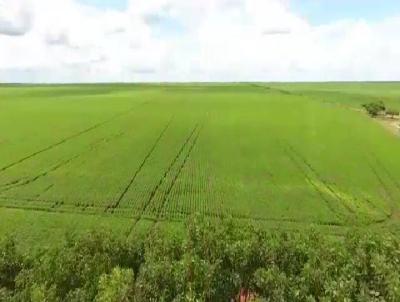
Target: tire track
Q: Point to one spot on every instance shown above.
(321, 179)
(43, 174)
(168, 192)
(66, 139)
(167, 171)
(373, 206)
(132, 180)
(26, 199)
(329, 187)
(315, 187)
(57, 209)
(44, 191)
(105, 140)
(387, 172)
(161, 181)
(26, 180)
(13, 182)
(392, 202)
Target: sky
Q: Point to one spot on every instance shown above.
(65, 41)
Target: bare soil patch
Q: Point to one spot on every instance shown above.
(391, 124)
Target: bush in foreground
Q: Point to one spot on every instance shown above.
(214, 261)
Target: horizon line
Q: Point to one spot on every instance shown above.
(192, 82)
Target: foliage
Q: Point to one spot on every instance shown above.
(117, 286)
(374, 108)
(11, 264)
(73, 272)
(214, 261)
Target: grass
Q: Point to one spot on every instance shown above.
(121, 155)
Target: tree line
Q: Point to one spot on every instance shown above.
(213, 261)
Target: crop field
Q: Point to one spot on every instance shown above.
(273, 153)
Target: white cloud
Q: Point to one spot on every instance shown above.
(15, 17)
(181, 40)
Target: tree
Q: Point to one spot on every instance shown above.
(374, 108)
(118, 286)
(215, 260)
(271, 284)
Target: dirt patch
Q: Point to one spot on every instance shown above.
(391, 124)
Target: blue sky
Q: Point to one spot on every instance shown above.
(316, 11)
(323, 11)
(117, 4)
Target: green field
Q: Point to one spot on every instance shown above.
(132, 155)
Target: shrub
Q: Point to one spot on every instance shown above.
(374, 108)
(116, 286)
(214, 261)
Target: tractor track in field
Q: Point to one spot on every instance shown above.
(52, 206)
(163, 178)
(44, 191)
(13, 182)
(105, 140)
(139, 169)
(385, 188)
(387, 172)
(168, 170)
(26, 199)
(55, 208)
(320, 178)
(376, 208)
(395, 213)
(56, 204)
(26, 180)
(309, 180)
(211, 215)
(167, 193)
(43, 174)
(33, 204)
(67, 139)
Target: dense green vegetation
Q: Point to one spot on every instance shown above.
(256, 164)
(213, 261)
(278, 153)
(374, 108)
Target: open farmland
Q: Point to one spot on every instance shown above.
(142, 154)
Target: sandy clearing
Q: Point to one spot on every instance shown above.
(391, 124)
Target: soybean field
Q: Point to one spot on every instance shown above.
(146, 153)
